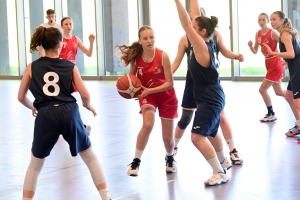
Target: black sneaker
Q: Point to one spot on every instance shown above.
(134, 167)
(171, 164)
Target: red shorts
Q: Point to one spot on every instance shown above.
(274, 69)
(165, 101)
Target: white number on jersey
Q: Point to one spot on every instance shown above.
(51, 83)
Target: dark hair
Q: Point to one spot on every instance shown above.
(129, 53)
(63, 19)
(287, 25)
(48, 38)
(50, 11)
(207, 23)
(265, 14)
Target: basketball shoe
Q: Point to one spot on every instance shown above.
(171, 164)
(298, 140)
(235, 157)
(217, 178)
(134, 167)
(175, 150)
(292, 132)
(269, 118)
(226, 164)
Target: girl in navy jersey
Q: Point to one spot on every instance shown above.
(70, 46)
(49, 80)
(152, 66)
(188, 102)
(273, 64)
(208, 93)
(290, 52)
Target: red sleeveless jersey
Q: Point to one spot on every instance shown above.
(151, 73)
(69, 49)
(266, 39)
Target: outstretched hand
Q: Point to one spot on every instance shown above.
(92, 38)
(240, 57)
(90, 108)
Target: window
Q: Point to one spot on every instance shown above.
(248, 26)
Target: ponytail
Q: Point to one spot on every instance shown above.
(48, 38)
(129, 53)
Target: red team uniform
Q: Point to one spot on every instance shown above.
(273, 63)
(69, 51)
(152, 75)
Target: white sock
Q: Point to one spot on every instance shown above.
(104, 194)
(93, 164)
(221, 156)
(170, 154)
(138, 154)
(298, 123)
(215, 165)
(32, 174)
(230, 144)
(26, 198)
(176, 142)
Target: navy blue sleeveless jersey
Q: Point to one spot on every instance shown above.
(294, 67)
(208, 93)
(51, 81)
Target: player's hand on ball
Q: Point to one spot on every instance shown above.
(34, 112)
(145, 92)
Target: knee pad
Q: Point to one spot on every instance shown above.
(185, 119)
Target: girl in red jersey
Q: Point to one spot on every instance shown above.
(273, 64)
(70, 45)
(152, 66)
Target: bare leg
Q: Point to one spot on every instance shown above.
(167, 133)
(265, 85)
(289, 97)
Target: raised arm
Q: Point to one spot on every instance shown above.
(255, 48)
(182, 46)
(226, 52)
(86, 51)
(199, 46)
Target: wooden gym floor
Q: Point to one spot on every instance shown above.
(271, 167)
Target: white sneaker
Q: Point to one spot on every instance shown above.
(269, 118)
(171, 164)
(226, 164)
(235, 157)
(217, 179)
(88, 129)
(134, 167)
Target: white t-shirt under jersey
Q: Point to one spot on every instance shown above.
(56, 25)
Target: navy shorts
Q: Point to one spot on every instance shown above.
(188, 97)
(52, 121)
(295, 88)
(210, 102)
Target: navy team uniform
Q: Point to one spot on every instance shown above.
(58, 111)
(208, 93)
(294, 68)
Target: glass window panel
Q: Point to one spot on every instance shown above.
(248, 26)
(12, 38)
(47, 4)
(294, 13)
(168, 30)
(88, 24)
(220, 9)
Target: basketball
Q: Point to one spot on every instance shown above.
(129, 86)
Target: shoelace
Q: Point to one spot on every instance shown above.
(135, 163)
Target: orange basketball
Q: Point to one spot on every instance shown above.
(129, 86)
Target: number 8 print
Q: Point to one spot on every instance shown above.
(51, 83)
